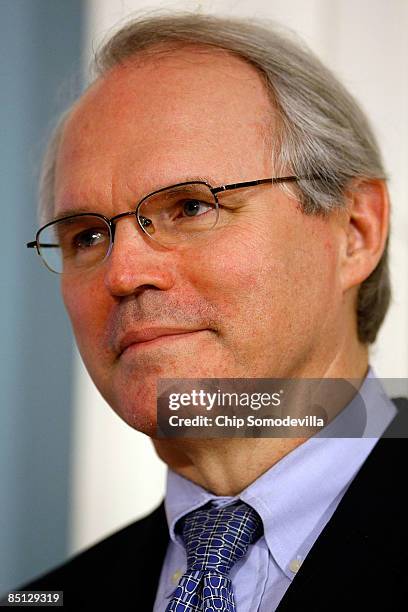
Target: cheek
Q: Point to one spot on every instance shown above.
(312, 291)
(227, 272)
(87, 311)
(251, 275)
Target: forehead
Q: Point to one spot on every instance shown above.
(163, 118)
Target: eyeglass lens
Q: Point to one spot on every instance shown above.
(179, 213)
(73, 244)
(169, 216)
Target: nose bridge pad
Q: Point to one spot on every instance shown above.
(143, 224)
(113, 230)
(146, 224)
(114, 221)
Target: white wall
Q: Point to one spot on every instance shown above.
(116, 476)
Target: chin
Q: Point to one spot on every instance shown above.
(137, 407)
(140, 421)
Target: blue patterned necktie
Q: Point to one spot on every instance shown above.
(215, 538)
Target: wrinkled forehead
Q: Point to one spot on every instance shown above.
(185, 112)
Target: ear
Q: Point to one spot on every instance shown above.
(365, 230)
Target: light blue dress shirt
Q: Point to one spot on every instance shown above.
(295, 499)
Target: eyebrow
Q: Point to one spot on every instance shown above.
(78, 210)
(73, 211)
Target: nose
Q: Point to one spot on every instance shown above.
(136, 261)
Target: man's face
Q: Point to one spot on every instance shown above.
(258, 297)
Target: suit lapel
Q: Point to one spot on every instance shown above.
(151, 545)
(360, 549)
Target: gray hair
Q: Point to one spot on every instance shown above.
(321, 130)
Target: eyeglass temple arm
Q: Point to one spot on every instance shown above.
(279, 179)
(33, 245)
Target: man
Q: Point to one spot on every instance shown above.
(283, 278)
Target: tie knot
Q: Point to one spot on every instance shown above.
(215, 538)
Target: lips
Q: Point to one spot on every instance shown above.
(152, 333)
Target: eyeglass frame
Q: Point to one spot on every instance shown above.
(112, 226)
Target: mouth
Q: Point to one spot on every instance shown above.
(149, 338)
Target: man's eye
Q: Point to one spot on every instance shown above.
(193, 208)
(89, 238)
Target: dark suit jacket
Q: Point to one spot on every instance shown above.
(358, 562)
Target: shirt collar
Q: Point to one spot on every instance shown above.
(297, 495)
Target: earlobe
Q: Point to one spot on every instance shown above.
(366, 231)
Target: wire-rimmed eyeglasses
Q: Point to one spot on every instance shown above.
(169, 216)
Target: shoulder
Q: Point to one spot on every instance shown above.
(374, 497)
(398, 427)
(360, 557)
(104, 571)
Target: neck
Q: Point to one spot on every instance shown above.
(226, 466)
